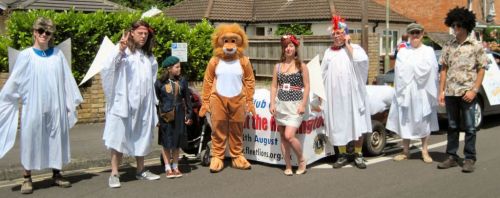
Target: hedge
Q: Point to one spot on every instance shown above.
(87, 30)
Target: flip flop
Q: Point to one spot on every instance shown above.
(400, 157)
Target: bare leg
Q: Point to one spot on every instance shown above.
(425, 152)
(167, 156)
(285, 148)
(140, 163)
(406, 147)
(116, 158)
(296, 146)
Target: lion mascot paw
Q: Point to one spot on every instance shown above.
(241, 162)
(216, 165)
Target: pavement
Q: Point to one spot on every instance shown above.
(87, 150)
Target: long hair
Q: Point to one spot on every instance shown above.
(165, 75)
(462, 16)
(147, 48)
(47, 25)
(284, 44)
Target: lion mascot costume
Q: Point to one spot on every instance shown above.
(228, 88)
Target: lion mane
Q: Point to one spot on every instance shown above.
(218, 44)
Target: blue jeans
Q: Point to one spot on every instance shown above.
(461, 113)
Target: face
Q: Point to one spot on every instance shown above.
(458, 30)
(175, 70)
(290, 50)
(338, 37)
(42, 36)
(416, 37)
(230, 43)
(140, 35)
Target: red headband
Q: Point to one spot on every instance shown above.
(290, 37)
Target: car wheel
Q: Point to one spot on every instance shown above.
(478, 115)
(374, 142)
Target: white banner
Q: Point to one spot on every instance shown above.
(491, 81)
(262, 142)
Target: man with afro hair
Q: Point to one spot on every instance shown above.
(463, 61)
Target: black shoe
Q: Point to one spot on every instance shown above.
(341, 161)
(359, 161)
(448, 163)
(468, 166)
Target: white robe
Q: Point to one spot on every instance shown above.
(413, 111)
(128, 83)
(347, 112)
(49, 96)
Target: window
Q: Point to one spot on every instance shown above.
(393, 39)
(260, 31)
(355, 31)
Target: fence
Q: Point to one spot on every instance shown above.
(265, 52)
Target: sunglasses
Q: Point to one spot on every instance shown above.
(42, 31)
(456, 25)
(415, 32)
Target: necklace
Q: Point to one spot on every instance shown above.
(286, 67)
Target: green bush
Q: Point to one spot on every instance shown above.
(87, 30)
(295, 28)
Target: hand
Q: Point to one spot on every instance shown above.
(469, 96)
(300, 110)
(272, 109)
(123, 41)
(441, 99)
(347, 39)
(188, 122)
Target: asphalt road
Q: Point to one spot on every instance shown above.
(382, 178)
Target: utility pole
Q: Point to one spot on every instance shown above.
(364, 24)
(386, 35)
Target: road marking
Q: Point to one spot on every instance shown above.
(94, 170)
(386, 158)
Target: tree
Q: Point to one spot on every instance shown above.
(146, 4)
(294, 28)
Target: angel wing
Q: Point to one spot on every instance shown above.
(96, 66)
(316, 78)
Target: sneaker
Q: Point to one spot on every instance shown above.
(170, 174)
(177, 173)
(359, 161)
(448, 163)
(27, 186)
(114, 181)
(60, 181)
(468, 166)
(341, 161)
(146, 175)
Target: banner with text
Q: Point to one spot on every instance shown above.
(262, 142)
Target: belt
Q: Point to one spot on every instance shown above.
(288, 87)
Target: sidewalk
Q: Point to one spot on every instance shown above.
(87, 150)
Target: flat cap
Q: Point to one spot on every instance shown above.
(414, 26)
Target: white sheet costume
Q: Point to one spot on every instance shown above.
(49, 95)
(413, 111)
(128, 83)
(347, 111)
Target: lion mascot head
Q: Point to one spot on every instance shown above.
(229, 41)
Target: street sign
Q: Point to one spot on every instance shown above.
(180, 51)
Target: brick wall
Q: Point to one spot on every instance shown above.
(431, 13)
(92, 108)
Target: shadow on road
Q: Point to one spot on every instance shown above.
(47, 183)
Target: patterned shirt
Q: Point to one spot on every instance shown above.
(463, 61)
(291, 80)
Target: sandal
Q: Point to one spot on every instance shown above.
(177, 173)
(400, 157)
(427, 159)
(288, 172)
(170, 174)
(303, 170)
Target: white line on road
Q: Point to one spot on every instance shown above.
(386, 158)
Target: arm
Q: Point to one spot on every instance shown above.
(208, 82)
(274, 90)
(442, 83)
(481, 62)
(249, 84)
(307, 88)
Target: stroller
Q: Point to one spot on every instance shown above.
(198, 134)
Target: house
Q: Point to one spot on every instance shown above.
(431, 14)
(263, 17)
(58, 5)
